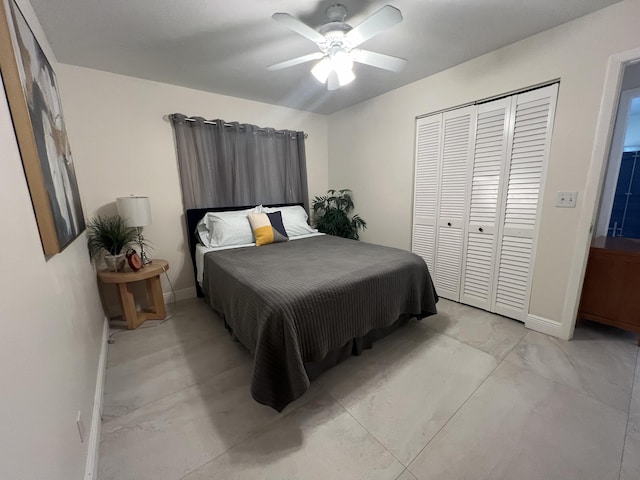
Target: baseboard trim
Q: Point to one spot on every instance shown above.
(544, 325)
(96, 417)
(183, 294)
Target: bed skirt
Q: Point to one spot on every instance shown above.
(353, 347)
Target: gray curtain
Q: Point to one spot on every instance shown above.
(224, 164)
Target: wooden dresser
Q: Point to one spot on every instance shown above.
(611, 290)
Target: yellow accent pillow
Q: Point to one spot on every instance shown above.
(267, 228)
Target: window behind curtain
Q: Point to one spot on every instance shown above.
(224, 164)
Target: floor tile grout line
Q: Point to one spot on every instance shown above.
(555, 381)
(465, 402)
(626, 430)
(199, 337)
(402, 473)
(452, 415)
(200, 382)
(527, 368)
(570, 387)
(249, 436)
(565, 385)
(475, 347)
(364, 427)
(367, 430)
(218, 456)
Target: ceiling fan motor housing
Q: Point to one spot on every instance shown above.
(335, 30)
(337, 12)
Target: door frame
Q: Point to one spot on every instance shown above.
(595, 183)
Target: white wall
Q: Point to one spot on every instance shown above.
(51, 329)
(372, 143)
(116, 122)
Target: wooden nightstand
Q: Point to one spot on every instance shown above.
(151, 274)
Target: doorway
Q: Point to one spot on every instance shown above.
(619, 213)
(618, 65)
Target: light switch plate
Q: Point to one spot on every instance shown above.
(566, 199)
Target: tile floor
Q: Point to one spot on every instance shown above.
(461, 395)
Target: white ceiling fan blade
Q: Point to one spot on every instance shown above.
(296, 61)
(384, 18)
(379, 60)
(299, 27)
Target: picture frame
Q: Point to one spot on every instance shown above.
(36, 111)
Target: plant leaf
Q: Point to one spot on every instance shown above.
(331, 214)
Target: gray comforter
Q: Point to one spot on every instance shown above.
(294, 302)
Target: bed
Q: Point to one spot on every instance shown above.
(303, 306)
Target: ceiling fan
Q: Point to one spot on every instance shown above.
(338, 42)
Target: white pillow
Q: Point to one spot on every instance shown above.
(294, 219)
(202, 232)
(220, 229)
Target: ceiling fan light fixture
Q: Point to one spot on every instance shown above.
(339, 63)
(342, 64)
(345, 76)
(322, 69)
(341, 60)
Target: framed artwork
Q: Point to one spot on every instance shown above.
(36, 111)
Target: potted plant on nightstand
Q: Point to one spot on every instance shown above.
(331, 215)
(109, 236)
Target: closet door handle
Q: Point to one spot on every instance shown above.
(481, 229)
(448, 224)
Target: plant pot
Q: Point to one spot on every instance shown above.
(115, 263)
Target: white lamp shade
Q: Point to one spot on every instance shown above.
(136, 211)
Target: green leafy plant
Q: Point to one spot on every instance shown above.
(331, 215)
(109, 235)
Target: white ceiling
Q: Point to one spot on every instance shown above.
(224, 46)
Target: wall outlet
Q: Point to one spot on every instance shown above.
(80, 425)
(566, 199)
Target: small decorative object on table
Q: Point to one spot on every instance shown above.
(110, 236)
(133, 260)
(331, 215)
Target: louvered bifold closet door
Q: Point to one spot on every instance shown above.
(527, 159)
(428, 151)
(485, 196)
(458, 128)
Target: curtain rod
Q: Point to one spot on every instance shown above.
(211, 122)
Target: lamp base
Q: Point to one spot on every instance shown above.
(143, 255)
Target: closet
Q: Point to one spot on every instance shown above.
(478, 182)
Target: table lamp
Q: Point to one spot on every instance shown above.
(136, 212)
